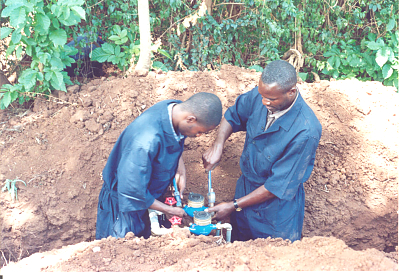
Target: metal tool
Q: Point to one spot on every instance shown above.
(211, 194)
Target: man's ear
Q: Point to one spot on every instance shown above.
(191, 119)
(292, 91)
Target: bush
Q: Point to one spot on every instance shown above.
(39, 30)
(339, 39)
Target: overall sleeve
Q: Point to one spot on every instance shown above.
(238, 114)
(134, 174)
(293, 168)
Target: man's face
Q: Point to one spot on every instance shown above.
(273, 98)
(193, 129)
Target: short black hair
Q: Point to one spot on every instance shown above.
(207, 108)
(280, 72)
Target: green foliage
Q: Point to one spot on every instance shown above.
(117, 52)
(339, 39)
(373, 59)
(36, 28)
(382, 61)
(10, 186)
(258, 68)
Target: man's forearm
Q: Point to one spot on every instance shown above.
(225, 130)
(157, 205)
(259, 195)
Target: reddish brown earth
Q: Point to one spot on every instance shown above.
(59, 147)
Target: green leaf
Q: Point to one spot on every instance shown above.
(66, 12)
(335, 74)
(18, 17)
(6, 100)
(122, 41)
(4, 32)
(10, 8)
(258, 68)
(43, 57)
(113, 59)
(329, 54)
(108, 48)
(123, 33)
(16, 36)
(159, 65)
(28, 50)
(68, 50)
(58, 37)
(356, 62)
(79, 11)
(70, 3)
(10, 49)
(390, 25)
(303, 76)
(55, 23)
(375, 45)
(71, 20)
(117, 50)
(117, 29)
(99, 55)
(331, 61)
(57, 80)
(42, 24)
(165, 53)
(387, 71)
(18, 52)
(48, 75)
(337, 62)
(56, 64)
(28, 79)
(56, 10)
(382, 56)
(114, 38)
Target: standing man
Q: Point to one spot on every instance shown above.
(146, 158)
(282, 135)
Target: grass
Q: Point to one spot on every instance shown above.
(10, 186)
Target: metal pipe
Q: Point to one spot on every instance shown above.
(209, 181)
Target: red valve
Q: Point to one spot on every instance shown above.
(170, 201)
(175, 220)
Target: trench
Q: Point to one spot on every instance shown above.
(350, 195)
(51, 231)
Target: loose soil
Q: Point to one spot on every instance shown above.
(59, 148)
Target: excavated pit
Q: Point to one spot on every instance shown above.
(59, 148)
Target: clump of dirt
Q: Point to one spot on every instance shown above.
(59, 148)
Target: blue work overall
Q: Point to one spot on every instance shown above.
(281, 158)
(139, 170)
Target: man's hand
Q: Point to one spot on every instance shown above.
(222, 210)
(166, 209)
(177, 211)
(212, 156)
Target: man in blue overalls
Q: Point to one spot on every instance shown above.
(146, 158)
(282, 135)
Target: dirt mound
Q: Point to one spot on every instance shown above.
(181, 251)
(59, 148)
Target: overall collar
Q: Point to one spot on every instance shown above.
(167, 125)
(286, 120)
